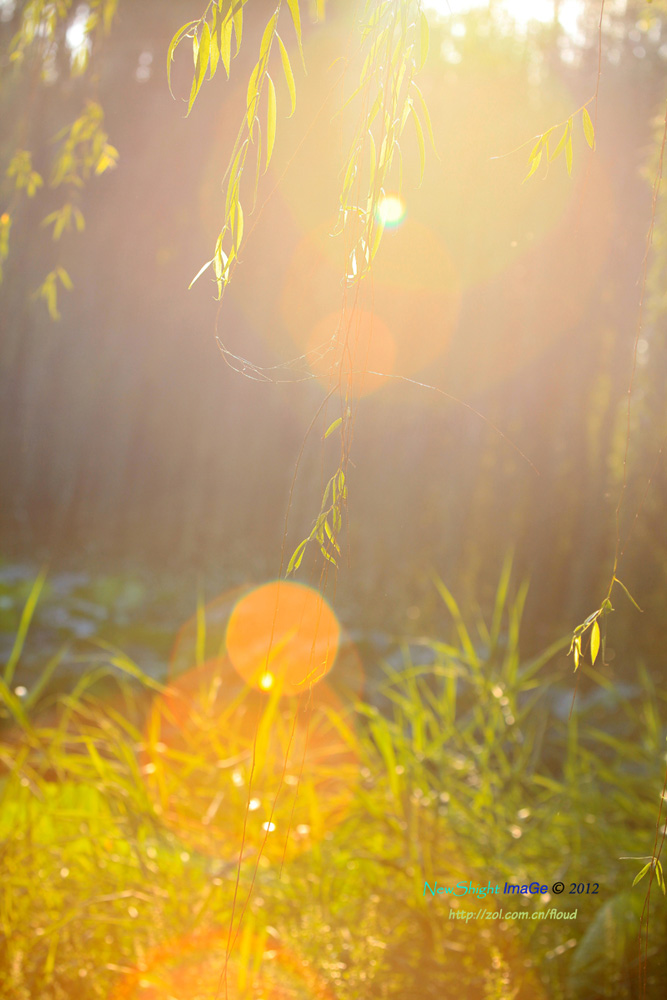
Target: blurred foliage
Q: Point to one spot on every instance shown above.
(47, 35)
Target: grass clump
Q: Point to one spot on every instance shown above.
(124, 804)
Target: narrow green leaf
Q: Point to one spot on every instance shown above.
(226, 42)
(561, 145)
(36, 690)
(536, 150)
(589, 131)
(595, 642)
(296, 19)
(330, 429)
(640, 875)
(426, 116)
(616, 579)
(330, 536)
(270, 120)
(239, 224)
(24, 624)
(533, 167)
(172, 48)
(423, 39)
(203, 53)
(253, 95)
(420, 142)
(65, 278)
(289, 76)
(200, 272)
(267, 39)
(577, 652)
(215, 51)
(238, 26)
(297, 556)
(568, 155)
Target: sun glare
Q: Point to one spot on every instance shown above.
(522, 12)
(391, 210)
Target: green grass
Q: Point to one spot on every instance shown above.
(122, 808)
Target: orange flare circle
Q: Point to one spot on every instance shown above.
(367, 346)
(284, 634)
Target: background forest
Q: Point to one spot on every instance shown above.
(149, 482)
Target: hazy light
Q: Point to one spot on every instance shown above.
(269, 827)
(391, 210)
(77, 36)
(266, 681)
(522, 12)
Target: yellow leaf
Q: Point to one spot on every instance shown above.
(420, 142)
(533, 166)
(595, 642)
(253, 94)
(270, 120)
(172, 48)
(289, 76)
(238, 25)
(561, 145)
(423, 39)
(267, 39)
(226, 42)
(203, 53)
(589, 131)
(296, 18)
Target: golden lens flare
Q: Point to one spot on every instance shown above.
(351, 355)
(282, 634)
(192, 965)
(208, 732)
(412, 292)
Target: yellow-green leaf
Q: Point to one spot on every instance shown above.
(536, 150)
(589, 131)
(270, 120)
(420, 142)
(423, 38)
(238, 25)
(203, 53)
(296, 19)
(239, 224)
(289, 76)
(616, 580)
(267, 39)
(65, 278)
(297, 556)
(172, 48)
(533, 166)
(201, 271)
(332, 427)
(568, 155)
(253, 94)
(215, 51)
(561, 145)
(226, 42)
(425, 115)
(595, 642)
